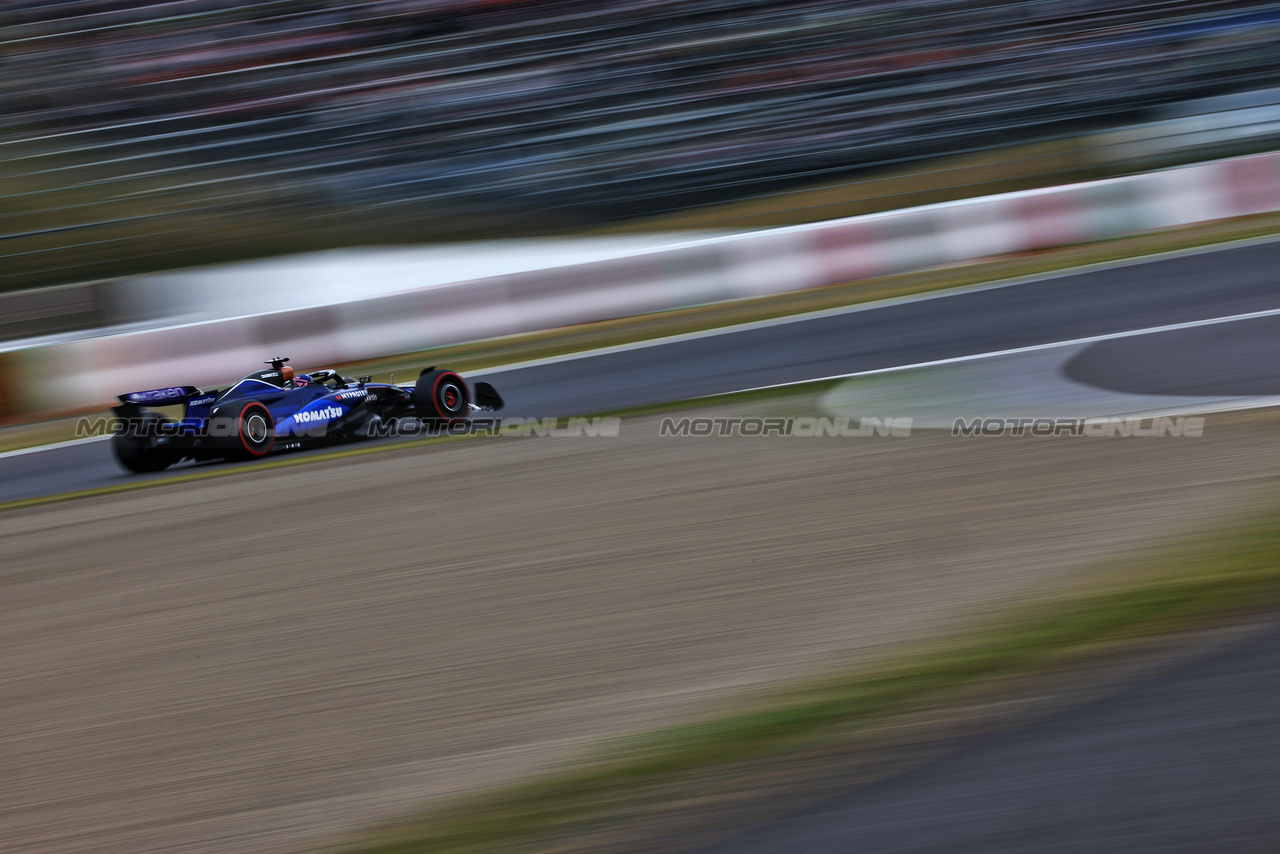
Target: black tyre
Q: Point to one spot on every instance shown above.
(441, 396)
(135, 446)
(255, 431)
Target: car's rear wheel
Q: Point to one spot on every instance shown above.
(135, 445)
(256, 430)
(441, 396)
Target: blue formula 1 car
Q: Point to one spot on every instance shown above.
(276, 409)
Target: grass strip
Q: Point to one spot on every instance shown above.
(214, 471)
(202, 227)
(1186, 585)
(490, 353)
(480, 355)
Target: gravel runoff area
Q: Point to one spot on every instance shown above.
(263, 661)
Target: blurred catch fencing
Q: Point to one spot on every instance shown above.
(87, 370)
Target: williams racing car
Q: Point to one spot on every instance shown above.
(277, 409)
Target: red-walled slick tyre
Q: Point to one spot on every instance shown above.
(256, 430)
(441, 396)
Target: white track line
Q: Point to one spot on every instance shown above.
(868, 306)
(69, 443)
(1092, 339)
(878, 304)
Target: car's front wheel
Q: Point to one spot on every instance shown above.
(441, 396)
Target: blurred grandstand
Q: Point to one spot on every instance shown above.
(197, 121)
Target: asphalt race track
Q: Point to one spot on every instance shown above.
(1182, 763)
(1165, 291)
(1242, 358)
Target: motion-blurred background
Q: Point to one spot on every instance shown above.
(146, 137)
(318, 644)
(142, 136)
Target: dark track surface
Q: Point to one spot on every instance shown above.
(1241, 359)
(1185, 762)
(1182, 289)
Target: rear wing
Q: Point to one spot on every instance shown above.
(160, 396)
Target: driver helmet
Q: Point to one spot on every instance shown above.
(301, 380)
